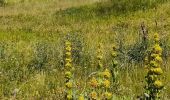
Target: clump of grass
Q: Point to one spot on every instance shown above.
(153, 78)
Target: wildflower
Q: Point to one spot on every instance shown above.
(68, 65)
(108, 95)
(69, 85)
(154, 55)
(68, 74)
(158, 59)
(153, 64)
(93, 95)
(114, 54)
(106, 83)
(81, 97)
(157, 49)
(151, 70)
(68, 54)
(106, 73)
(158, 84)
(68, 71)
(68, 48)
(68, 60)
(158, 71)
(93, 82)
(156, 37)
(69, 97)
(67, 43)
(153, 77)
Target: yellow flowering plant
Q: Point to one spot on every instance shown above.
(154, 72)
(68, 71)
(96, 81)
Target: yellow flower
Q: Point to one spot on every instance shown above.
(106, 83)
(114, 54)
(156, 40)
(157, 49)
(159, 59)
(69, 97)
(108, 95)
(106, 73)
(68, 60)
(68, 48)
(153, 64)
(68, 74)
(67, 43)
(68, 65)
(69, 85)
(156, 37)
(81, 97)
(158, 84)
(93, 82)
(68, 54)
(158, 71)
(154, 55)
(93, 95)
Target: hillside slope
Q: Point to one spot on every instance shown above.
(32, 35)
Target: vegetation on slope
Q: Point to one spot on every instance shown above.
(32, 38)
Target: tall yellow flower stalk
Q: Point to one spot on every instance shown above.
(68, 71)
(100, 70)
(153, 78)
(107, 95)
(100, 85)
(96, 81)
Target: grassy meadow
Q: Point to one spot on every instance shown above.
(32, 43)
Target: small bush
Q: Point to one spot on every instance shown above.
(137, 52)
